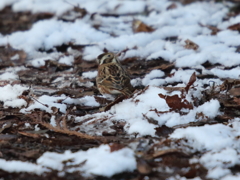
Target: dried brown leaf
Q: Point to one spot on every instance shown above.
(191, 45)
(172, 6)
(164, 152)
(139, 26)
(235, 27)
(116, 147)
(29, 134)
(191, 81)
(163, 131)
(176, 103)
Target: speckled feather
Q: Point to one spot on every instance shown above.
(112, 78)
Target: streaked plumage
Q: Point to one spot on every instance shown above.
(112, 78)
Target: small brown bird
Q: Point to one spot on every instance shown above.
(112, 78)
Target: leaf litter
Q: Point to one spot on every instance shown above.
(57, 117)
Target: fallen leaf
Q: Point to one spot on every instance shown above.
(191, 81)
(164, 152)
(163, 131)
(172, 6)
(191, 45)
(116, 147)
(139, 26)
(176, 103)
(235, 27)
(29, 134)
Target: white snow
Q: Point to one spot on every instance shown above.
(217, 142)
(19, 166)
(90, 74)
(38, 62)
(46, 103)
(68, 60)
(232, 73)
(99, 161)
(153, 74)
(9, 95)
(86, 101)
(8, 76)
(218, 162)
(207, 137)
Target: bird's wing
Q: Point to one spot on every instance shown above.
(113, 76)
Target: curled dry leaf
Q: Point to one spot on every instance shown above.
(191, 81)
(116, 147)
(191, 45)
(33, 135)
(176, 103)
(163, 131)
(214, 29)
(139, 26)
(235, 27)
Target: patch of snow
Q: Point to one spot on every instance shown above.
(9, 95)
(53, 121)
(68, 60)
(38, 62)
(98, 161)
(86, 101)
(4, 3)
(19, 166)
(217, 172)
(231, 177)
(9, 76)
(90, 74)
(152, 75)
(45, 103)
(233, 73)
(207, 137)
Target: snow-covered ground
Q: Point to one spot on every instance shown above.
(218, 143)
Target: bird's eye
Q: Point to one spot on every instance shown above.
(109, 55)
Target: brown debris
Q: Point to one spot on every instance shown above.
(176, 103)
(139, 26)
(24, 143)
(191, 45)
(172, 6)
(235, 27)
(191, 81)
(116, 147)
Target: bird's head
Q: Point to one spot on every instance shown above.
(106, 58)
